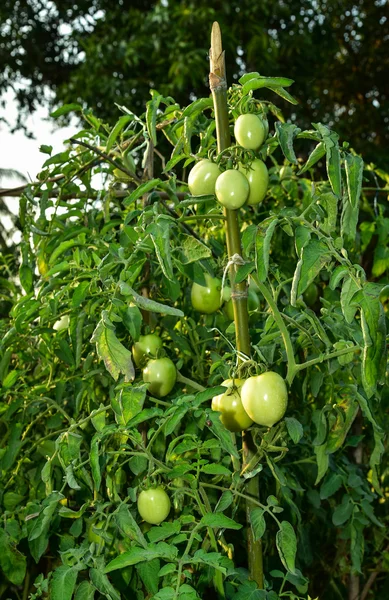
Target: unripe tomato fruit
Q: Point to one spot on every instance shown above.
(145, 348)
(206, 298)
(265, 398)
(154, 505)
(311, 294)
(202, 178)
(161, 374)
(233, 415)
(232, 189)
(249, 131)
(95, 537)
(258, 177)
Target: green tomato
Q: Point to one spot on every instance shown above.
(232, 189)
(311, 294)
(345, 359)
(249, 131)
(202, 178)
(154, 505)
(146, 347)
(258, 177)
(265, 398)
(95, 537)
(62, 323)
(206, 298)
(161, 374)
(233, 415)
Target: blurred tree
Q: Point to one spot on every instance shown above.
(98, 53)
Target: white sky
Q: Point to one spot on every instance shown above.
(21, 153)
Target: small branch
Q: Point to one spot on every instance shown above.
(107, 158)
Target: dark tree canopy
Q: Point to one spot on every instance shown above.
(98, 53)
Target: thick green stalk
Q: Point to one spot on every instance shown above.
(218, 85)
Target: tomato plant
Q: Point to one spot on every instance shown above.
(154, 505)
(146, 347)
(232, 189)
(249, 131)
(206, 298)
(229, 404)
(202, 178)
(93, 412)
(161, 376)
(265, 398)
(258, 177)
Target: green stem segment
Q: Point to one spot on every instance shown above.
(218, 85)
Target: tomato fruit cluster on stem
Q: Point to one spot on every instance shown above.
(161, 375)
(206, 298)
(154, 505)
(265, 398)
(229, 404)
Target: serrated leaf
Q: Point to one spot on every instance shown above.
(220, 521)
(314, 257)
(63, 582)
(262, 246)
(330, 485)
(118, 127)
(330, 139)
(287, 546)
(142, 189)
(286, 132)
(354, 171)
(147, 304)
(258, 522)
(117, 359)
(317, 153)
(295, 429)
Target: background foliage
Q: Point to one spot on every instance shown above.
(98, 53)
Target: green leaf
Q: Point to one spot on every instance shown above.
(331, 485)
(164, 531)
(349, 307)
(221, 433)
(95, 461)
(286, 132)
(151, 115)
(148, 572)
(128, 526)
(354, 172)
(119, 126)
(287, 546)
(374, 340)
(258, 523)
(103, 585)
(357, 546)
(220, 521)
(343, 511)
(314, 257)
(215, 469)
(369, 512)
(330, 139)
(225, 500)
(147, 304)
(117, 359)
(65, 109)
(80, 293)
(197, 107)
(262, 246)
(142, 189)
(85, 591)
(255, 83)
(322, 459)
(329, 202)
(337, 275)
(295, 429)
(314, 157)
(128, 403)
(192, 250)
(159, 232)
(63, 582)
(26, 278)
(12, 562)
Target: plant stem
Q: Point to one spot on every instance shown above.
(218, 85)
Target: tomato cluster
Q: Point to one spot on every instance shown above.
(235, 187)
(159, 372)
(261, 399)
